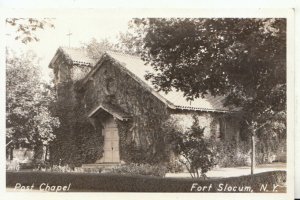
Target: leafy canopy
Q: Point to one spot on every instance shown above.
(28, 117)
(244, 59)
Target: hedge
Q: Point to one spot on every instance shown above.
(124, 183)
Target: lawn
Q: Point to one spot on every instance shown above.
(125, 183)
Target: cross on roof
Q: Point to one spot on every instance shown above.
(69, 35)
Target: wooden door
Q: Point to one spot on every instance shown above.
(111, 142)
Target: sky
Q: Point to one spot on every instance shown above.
(83, 29)
(84, 25)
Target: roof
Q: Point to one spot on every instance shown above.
(111, 109)
(77, 56)
(137, 67)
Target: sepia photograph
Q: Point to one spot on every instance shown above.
(101, 102)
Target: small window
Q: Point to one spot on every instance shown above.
(220, 129)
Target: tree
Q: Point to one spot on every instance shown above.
(29, 121)
(26, 27)
(131, 41)
(242, 59)
(193, 150)
(95, 48)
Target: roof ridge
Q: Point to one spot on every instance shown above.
(105, 50)
(64, 49)
(123, 54)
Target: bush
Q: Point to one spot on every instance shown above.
(46, 166)
(40, 164)
(270, 149)
(140, 169)
(58, 168)
(88, 170)
(16, 164)
(193, 150)
(13, 165)
(236, 154)
(232, 154)
(175, 166)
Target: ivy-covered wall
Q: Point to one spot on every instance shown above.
(141, 137)
(221, 126)
(79, 140)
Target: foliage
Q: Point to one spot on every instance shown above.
(88, 170)
(25, 27)
(13, 165)
(244, 59)
(270, 147)
(29, 120)
(137, 154)
(128, 169)
(235, 154)
(127, 43)
(194, 150)
(130, 42)
(82, 143)
(141, 169)
(95, 48)
(175, 166)
(58, 168)
(232, 153)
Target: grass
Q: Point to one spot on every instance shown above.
(129, 183)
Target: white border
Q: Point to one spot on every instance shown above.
(288, 13)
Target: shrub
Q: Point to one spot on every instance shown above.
(232, 154)
(235, 154)
(88, 170)
(58, 168)
(141, 169)
(13, 165)
(269, 149)
(45, 166)
(16, 164)
(175, 166)
(194, 151)
(39, 164)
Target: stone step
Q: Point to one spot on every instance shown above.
(100, 165)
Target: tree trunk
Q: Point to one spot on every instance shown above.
(252, 152)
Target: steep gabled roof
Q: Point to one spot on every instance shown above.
(137, 69)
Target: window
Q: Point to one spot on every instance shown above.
(220, 128)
